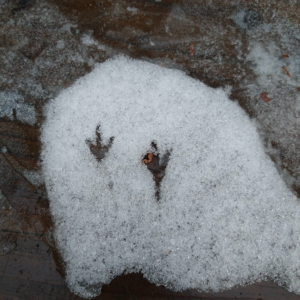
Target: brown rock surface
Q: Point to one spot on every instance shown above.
(42, 51)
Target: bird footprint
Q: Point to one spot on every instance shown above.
(157, 166)
(97, 148)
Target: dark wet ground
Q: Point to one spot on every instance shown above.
(40, 56)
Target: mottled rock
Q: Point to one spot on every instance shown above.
(45, 47)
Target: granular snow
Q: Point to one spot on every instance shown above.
(224, 217)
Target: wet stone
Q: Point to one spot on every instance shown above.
(8, 242)
(42, 52)
(22, 4)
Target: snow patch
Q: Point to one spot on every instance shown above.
(133, 10)
(60, 44)
(224, 217)
(89, 41)
(11, 102)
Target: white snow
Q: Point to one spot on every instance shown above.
(225, 216)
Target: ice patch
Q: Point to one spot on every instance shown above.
(224, 217)
(267, 63)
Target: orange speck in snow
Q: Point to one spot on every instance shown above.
(286, 71)
(264, 97)
(148, 159)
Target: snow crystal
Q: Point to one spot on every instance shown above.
(60, 44)
(4, 150)
(133, 10)
(88, 41)
(67, 27)
(224, 216)
(246, 19)
(34, 177)
(268, 62)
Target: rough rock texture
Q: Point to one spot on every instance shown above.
(45, 46)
